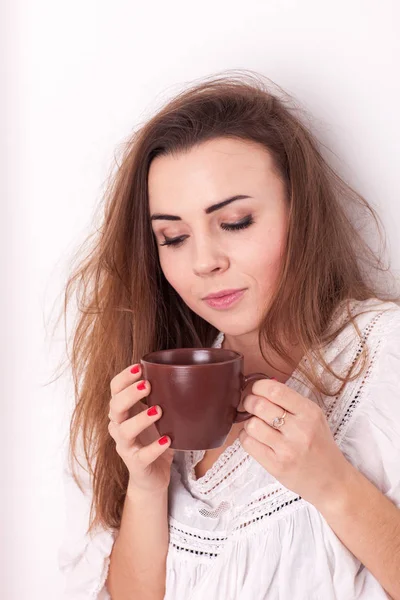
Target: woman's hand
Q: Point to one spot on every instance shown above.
(137, 443)
(302, 454)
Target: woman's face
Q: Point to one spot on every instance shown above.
(208, 257)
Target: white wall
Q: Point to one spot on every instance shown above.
(79, 76)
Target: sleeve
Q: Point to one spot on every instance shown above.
(83, 558)
(372, 441)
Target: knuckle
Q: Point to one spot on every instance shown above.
(140, 459)
(113, 408)
(251, 425)
(282, 461)
(313, 424)
(311, 436)
(245, 441)
(259, 405)
(304, 436)
(113, 385)
(311, 427)
(258, 387)
(124, 432)
(286, 455)
(307, 442)
(118, 449)
(275, 392)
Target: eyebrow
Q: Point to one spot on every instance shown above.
(209, 210)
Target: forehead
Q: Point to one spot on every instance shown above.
(209, 172)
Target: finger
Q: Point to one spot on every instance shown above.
(260, 431)
(113, 429)
(130, 429)
(126, 399)
(256, 449)
(125, 378)
(264, 409)
(148, 454)
(280, 394)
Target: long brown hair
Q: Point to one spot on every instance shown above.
(127, 308)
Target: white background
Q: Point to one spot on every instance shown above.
(78, 77)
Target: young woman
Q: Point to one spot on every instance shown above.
(225, 192)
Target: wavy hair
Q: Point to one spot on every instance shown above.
(127, 308)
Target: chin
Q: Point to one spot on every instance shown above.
(236, 331)
(234, 326)
(231, 322)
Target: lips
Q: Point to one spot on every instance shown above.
(226, 301)
(223, 293)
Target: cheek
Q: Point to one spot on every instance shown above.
(264, 259)
(264, 255)
(174, 271)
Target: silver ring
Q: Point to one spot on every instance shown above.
(279, 421)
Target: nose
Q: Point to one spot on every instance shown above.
(208, 257)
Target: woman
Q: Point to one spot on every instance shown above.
(225, 189)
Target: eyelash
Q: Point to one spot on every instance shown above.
(176, 242)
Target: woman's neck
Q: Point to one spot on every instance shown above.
(253, 360)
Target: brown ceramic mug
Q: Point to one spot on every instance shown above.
(199, 391)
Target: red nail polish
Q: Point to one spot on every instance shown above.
(141, 385)
(163, 440)
(135, 369)
(152, 411)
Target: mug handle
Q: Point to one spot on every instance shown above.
(243, 415)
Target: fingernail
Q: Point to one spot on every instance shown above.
(163, 440)
(135, 369)
(141, 385)
(152, 411)
(274, 379)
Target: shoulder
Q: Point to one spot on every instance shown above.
(380, 317)
(380, 332)
(373, 316)
(375, 325)
(382, 378)
(373, 392)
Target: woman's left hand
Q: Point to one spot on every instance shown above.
(302, 454)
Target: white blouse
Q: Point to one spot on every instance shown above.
(237, 533)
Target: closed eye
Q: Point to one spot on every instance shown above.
(177, 242)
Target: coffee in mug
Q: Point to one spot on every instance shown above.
(199, 391)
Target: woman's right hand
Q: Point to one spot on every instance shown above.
(136, 437)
